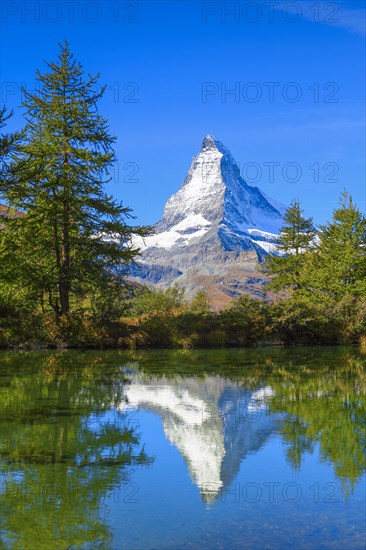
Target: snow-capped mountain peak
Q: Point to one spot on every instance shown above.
(215, 210)
(215, 191)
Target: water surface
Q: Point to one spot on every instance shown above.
(183, 449)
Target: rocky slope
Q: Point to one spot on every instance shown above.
(213, 232)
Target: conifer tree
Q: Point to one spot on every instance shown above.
(295, 240)
(200, 304)
(74, 235)
(5, 139)
(338, 265)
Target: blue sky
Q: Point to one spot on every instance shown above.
(296, 71)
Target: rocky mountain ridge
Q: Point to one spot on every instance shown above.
(213, 232)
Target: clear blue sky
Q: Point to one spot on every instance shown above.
(178, 59)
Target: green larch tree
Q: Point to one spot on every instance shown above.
(295, 240)
(338, 263)
(73, 235)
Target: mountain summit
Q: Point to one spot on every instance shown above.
(213, 231)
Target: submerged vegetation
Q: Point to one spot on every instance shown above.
(61, 272)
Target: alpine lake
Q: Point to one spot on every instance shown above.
(171, 449)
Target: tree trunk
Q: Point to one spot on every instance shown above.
(64, 273)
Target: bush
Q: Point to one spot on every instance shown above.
(245, 322)
(296, 321)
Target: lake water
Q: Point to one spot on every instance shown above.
(183, 449)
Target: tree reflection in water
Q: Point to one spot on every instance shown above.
(317, 397)
(67, 442)
(62, 450)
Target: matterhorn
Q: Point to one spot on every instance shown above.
(214, 231)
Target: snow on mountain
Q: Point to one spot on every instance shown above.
(214, 193)
(214, 425)
(181, 233)
(214, 220)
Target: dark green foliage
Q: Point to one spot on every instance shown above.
(56, 175)
(162, 318)
(297, 321)
(69, 462)
(6, 140)
(328, 307)
(337, 267)
(245, 321)
(294, 243)
(323, 281)
(64, 245)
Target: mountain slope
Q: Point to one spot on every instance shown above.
(214, 230)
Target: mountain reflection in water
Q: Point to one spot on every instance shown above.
(78, 471)
(213, 423)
